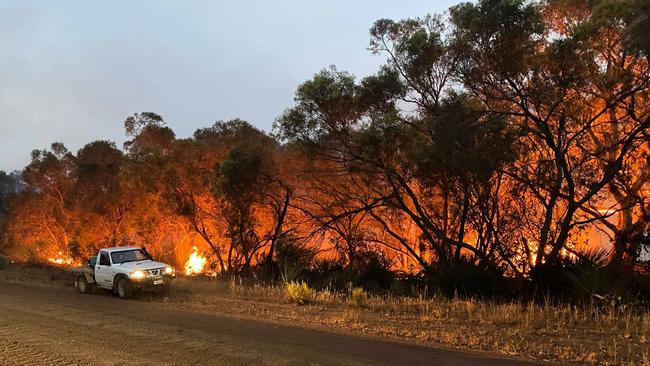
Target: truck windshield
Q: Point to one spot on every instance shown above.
(131, 255)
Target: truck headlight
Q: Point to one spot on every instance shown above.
(137, 275)
(169, 270)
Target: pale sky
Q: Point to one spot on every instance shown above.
(71, 71)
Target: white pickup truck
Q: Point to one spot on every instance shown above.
(123, 270)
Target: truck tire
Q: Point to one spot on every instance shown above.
(83, 286)
(124, 289)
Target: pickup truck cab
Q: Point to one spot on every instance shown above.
(124, 270)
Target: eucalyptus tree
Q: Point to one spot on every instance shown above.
(149, 153)
(559, 94)
(398, 167)
(44, 214)
(611, 29)
(102, 200)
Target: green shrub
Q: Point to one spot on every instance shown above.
(358, 296)
(292, 259)
(299, 293)
(3, 261)
(372, 270)
(329, 274)
(464, 278)
(580, 279)
(289, 272)
(367, 269)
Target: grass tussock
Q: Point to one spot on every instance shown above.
(299, 293)
(358, 296)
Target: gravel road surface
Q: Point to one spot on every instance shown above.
(57, 326)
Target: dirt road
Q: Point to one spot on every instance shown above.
(54, 326)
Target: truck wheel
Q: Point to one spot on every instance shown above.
(83, 286)
(124, 289)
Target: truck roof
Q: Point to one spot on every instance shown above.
(118, 249)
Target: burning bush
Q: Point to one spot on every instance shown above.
(61, 260)
(195, 263)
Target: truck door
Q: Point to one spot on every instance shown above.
(103, 272)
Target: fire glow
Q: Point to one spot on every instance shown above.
(195, 263)
(60, 260)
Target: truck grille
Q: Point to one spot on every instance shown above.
(155, 272)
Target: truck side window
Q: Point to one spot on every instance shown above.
(103, 259)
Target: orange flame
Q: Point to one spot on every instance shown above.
(61, 260)
(195, 263)
(606, 211)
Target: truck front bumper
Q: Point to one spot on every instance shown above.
(152, 283)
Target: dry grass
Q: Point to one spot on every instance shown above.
(358, 297)
(553, 332)
(549, 331)
(299, 293)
